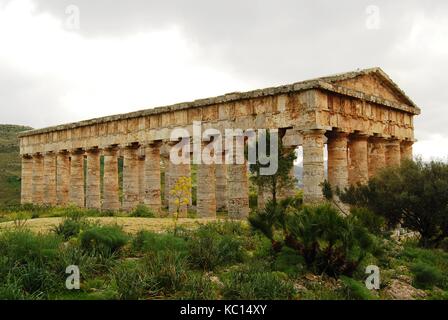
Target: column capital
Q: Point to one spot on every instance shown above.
(311, 132)
(93, 150)
(359, 136)
(337, 134)
(77, 151)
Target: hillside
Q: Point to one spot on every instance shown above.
(10, 164)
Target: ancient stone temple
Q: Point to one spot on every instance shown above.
(364, 119)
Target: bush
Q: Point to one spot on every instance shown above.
(106, 240)
(289, 262)
(355, 290)
(142, 211)
(198, 287)
(168, 269)
(425, 275)
(132, 282)
(374, 223)
(254, 285)
(208, 249)
(146, 241)
(69, 227)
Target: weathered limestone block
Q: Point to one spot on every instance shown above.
(313, 165)
(50, 179)
(63, 178)
(76, 193)
(38, 179)
(130, 179)
(152, 185)
(358, 169)
(206, 191)
(406, 150)
(141, 178)
(393, 153)
(27, 180)
(337, 147)
(377, 155)
(111, 200)
(237, 186)
(221, 186)
(93, 180)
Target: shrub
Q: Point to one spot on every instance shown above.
(208, 249)
(198, 287)
(142, 211)
(254, 285)
(69, 227)
(374, 223)
(426, 276)
(146, 241)
(289, 262)
(355, 290)
(168, 269)
(132, 282)
(106, 240)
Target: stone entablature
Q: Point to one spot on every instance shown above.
(363, 117)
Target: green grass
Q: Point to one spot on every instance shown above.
(10, 164)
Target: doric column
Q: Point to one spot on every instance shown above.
(93, 180)
(50, 179)
(237, 186)
(77, 178)
(337, 147)
(377, 155)
(38, 179)
(263, 197)
(141, 177)
(393, 153)
(313, 165)
(288, 192)
(111, 200)
(63, 178)
(166, 180)
(152, 185)
(27, 180)
(206, 190)
(221, 185)
(130, 178)
(359, 168)
(406, 150)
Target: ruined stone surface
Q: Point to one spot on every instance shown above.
(62, 178)
(93, 180)
(221, 186)
(152, 185)
(365, 101)
(50, 179)
(110, 181)
(76, 193)
(38, 179)
(337, 147)
(27, 180)
(130, 179)
(206, 190)
(313, 165)
(377, 155)
(358, 168)
(393, 152)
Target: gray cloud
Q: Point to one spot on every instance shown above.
(275, 42)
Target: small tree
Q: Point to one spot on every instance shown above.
(279, 181)
(181, 192)
(414, 194)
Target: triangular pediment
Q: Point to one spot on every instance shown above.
(374, 82)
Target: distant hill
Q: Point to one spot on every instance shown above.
(10, 163)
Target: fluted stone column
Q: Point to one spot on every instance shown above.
(77, 178)
(221, 186)
(393, 153)
(38, 179)
(130, 178)
(359, 167)
(93, 180)
(337, 147)
(377, 155)
(166, 188)
(263, 197)
(111, 200)
(206, 192)
(237, 187)
(406, 150)
(63, 178)
(152, 185)
(50, 179)
(27, 180)
(141, 178)
(313, 165)
(288, 192)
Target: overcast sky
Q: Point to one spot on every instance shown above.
(65, 61)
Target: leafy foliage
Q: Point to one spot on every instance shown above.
(106, 240)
